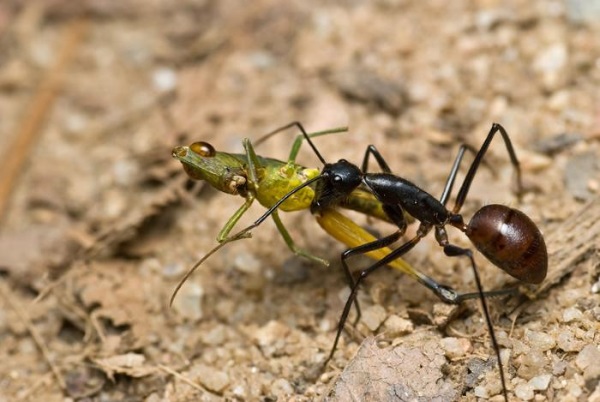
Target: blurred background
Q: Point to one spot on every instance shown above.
(99, 222)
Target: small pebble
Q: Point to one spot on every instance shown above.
(540, 340)
(247, 263)
(26, 347)
(591, 376)
(579, 11)
(225, 309)
(173, 270)
(534, 162)
(550, 63)
(125, 172)
(456, 347)
(272, 338)
(396, 326)
(211, 378)
(532, 364)
(188, 302)
(240, 391)
(325, 325)
(574, 390)
(153, 397)
(567, 342)
(580, 168)
(559, 367)
(282, 388)
(540, 382)
(480, 392)
(373, 316)
(589, 356)
(524, 392)
(293, 270)
(215, 336)
(164, 79)
(572, 314)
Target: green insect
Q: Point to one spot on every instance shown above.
(267, 180)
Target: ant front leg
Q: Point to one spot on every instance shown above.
(300, 138)
(305, 136)
(395, 214)
(395, 254)
(371, 150)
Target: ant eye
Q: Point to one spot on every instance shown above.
(337, 179)
(203, 149)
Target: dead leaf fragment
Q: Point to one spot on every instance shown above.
(130, 364)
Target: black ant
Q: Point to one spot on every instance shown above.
(506, 236)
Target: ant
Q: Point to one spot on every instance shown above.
(505, 236)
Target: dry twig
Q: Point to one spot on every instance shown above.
(25, 138)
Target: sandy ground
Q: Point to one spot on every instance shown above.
(102, 222)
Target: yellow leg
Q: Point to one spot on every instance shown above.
(346, 231)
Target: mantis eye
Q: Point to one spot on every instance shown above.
(203, 149)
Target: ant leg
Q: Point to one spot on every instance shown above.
(270, 134)
(397, 253)
(298, 141)
(454, 171)
(455, 251)
(464, 189)
(452, 176)
(371, 150)
(363, 249)
(348, 232)
(396, 215)
(461, 297)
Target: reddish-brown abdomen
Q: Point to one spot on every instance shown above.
(509, 239)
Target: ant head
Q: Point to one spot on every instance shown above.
(342, 176)
(337, 181)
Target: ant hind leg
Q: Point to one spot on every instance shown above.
(454, 251)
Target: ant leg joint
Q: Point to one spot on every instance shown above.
(448, 295)
(455, 251)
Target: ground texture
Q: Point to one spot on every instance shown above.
(100, 223)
